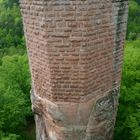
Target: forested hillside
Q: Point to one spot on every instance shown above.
(16, 118)
(128, 118)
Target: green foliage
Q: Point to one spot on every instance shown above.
(11, 32)
(128, 120)
(15, 106)
(10, 3)
(11, 137)
(12, 51)
(14, 93)
(133, 30)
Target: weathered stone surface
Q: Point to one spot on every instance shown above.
(75, 50)
(102, 117)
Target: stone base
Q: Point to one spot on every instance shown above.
(93, 120)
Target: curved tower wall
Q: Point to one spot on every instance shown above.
(75, 50)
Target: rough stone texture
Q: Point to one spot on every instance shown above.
(75, 51)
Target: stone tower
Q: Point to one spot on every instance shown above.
(75, 50)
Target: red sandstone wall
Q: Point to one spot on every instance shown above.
(76, 50)
(70, 49)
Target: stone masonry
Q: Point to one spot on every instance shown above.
(75, 50)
